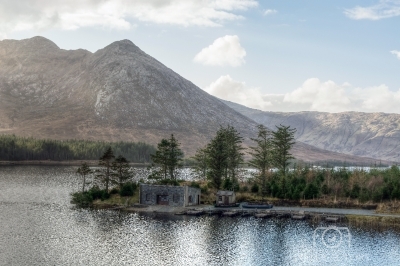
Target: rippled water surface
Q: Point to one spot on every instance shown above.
(38, 226)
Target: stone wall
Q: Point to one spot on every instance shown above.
(175, 196)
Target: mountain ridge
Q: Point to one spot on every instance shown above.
(373, 135)
(116, 93)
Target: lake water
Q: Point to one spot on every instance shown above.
(39, 226)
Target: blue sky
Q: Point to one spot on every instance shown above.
(272, 55)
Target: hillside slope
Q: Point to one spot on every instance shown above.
(375, 135)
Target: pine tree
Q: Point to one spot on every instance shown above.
(106, 162)
(262, 157)
(283, 141)
(225, 156)
(121, 170)
(83, 171)
(175, 156)
(202, 161)
(168, 155)
(161, 156)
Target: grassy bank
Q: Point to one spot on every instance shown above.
(373, 221)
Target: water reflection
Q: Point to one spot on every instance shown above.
(40, 227)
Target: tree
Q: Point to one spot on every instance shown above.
(234, 152)
(175, 156)
(168, 155)
(121, 170)
(282, 142)
(161, 156)
(83, 171)
(106, 162)
(224, 156)
(216, 150)
(201, 158)
(262, 157)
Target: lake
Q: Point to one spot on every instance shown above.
(39, 226)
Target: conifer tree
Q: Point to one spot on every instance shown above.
(282, 141)
(175, 156)
(84, 170)
(121, 170)
(262, 156)
(106, 162)
(201, 166)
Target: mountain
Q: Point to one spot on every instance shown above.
(117, 93)
(375, 135)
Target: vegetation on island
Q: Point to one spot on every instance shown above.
(111, 171)
(219, 165)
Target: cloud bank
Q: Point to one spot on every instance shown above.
(224, 51)
(116, 14)
(396, 53)
(312, 95)
(384, 9)
(270, 12)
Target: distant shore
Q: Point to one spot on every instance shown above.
(61, 163)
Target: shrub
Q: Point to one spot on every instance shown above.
(82, 199)
(254, 188)
(128, 189)
(114, 191)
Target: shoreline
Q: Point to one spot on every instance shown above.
(60, 163)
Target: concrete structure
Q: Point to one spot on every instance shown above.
(225, 197)
(175, 196)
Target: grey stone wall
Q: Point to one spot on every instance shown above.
(149, 193)
(175, 195)
(195, 194)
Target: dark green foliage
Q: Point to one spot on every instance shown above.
(311, 191)
(114, 190)
(106, 161)
(121, 171)
(227, 184)
(84, 171)
(201, 162)
(195, 184)
(13, 148)
(82, 199)
(282, 142)
(171, 182)
(254, 188)
(225, 155)
(128, 189)
(98, 193)
(262, 157)
(245, 189)
(168, 156)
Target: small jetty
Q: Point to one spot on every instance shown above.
(270, 213)
(265, 214)
(298, 216)
(231, 213)
(195, 212)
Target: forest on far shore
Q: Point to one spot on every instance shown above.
(13, 148)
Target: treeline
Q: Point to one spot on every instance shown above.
(13, 148)
(312, 183)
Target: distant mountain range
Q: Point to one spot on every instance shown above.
(116, 93)
(375, 135)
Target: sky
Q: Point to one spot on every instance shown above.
(272, 55)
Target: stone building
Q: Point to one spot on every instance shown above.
(225, 197)
(176, 196)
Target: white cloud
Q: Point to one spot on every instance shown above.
(116, 14)
(384, 9)
(313, 95)
(270, 12)
(397, 53)
(228, 89)
(224, 51)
